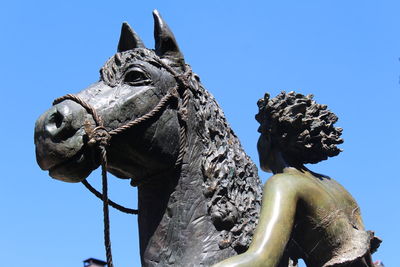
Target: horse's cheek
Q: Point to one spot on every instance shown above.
(166, 137)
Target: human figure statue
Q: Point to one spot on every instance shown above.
(304, 215)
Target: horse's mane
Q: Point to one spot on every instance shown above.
(231, 182)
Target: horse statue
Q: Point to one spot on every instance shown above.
(150, 120)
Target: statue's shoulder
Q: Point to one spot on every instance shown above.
(288, 181)
(291, 176)
(308, 187)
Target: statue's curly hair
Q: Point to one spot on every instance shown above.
(301, 128)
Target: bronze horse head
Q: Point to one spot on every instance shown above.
(198, 213)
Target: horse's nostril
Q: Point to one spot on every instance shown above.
(57, 119)
(54, 122)
(58, 124)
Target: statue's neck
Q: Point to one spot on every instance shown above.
(276, 162)
(279, 163)
(153, 199)
(174, 223)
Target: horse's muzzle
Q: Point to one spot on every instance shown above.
(60, 141)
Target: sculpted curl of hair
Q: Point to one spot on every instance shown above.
(301, 128)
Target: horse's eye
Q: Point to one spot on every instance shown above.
(136, 77)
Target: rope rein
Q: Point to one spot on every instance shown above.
(100, 138)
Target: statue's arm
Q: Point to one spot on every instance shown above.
(275, 225)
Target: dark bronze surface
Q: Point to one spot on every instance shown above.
(207, 210)
(198, 215)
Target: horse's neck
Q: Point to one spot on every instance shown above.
(152, 202)
(217, 188)
(175, 227)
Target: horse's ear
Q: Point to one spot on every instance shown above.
(129, 39)
(166, 45)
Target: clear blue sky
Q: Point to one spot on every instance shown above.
(344, 52)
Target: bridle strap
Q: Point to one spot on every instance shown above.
(110, 202)
(100, 137)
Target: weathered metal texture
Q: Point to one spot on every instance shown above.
(198, 214)
(205, 208)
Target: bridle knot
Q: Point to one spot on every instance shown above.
(99, 136)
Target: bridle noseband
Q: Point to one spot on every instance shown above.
(100, 137)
